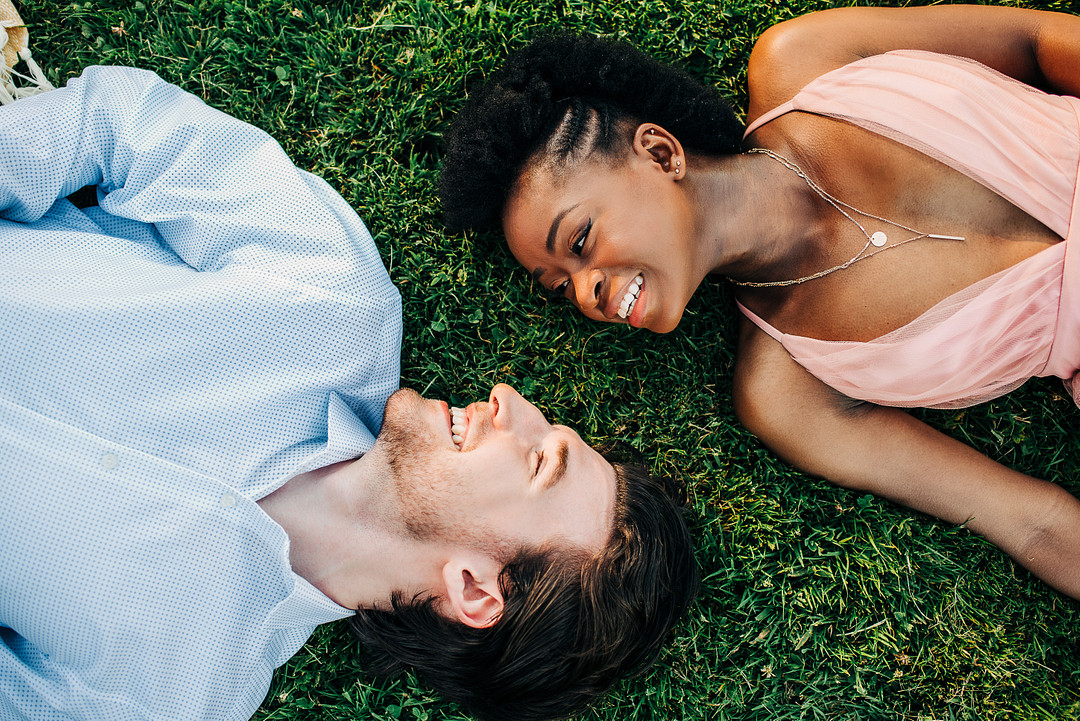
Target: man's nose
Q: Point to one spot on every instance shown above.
(588, 286)
(514, 414)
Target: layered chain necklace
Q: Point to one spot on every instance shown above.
(877, 239)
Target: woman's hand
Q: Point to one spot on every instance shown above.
(1037, 47)
(887, 452)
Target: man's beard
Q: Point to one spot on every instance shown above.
(408, 446)
(432, 493)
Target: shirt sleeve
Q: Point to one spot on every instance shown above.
(215, 277)
(217, 190)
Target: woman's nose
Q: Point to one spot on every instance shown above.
(588, 286)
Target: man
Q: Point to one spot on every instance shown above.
(193, 369)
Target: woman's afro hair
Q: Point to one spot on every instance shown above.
(584, 88)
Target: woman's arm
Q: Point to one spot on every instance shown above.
(887, 452)
(1037, 47)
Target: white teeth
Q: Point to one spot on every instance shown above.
(627, 305)
(458, 426)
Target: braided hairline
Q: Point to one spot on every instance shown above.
(572, 95)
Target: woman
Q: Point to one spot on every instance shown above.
(619, 185)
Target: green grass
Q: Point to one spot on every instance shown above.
(817, 603)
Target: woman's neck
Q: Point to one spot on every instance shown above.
(756, 219)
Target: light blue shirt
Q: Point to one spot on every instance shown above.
(221, 323)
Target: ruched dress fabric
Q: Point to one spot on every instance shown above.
(1023, 144)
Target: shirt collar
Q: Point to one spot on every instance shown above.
(306, 605)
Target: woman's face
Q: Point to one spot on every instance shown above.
(616, 237)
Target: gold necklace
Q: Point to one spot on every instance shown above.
(877, 239)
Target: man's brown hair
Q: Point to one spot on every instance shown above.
(572, 623)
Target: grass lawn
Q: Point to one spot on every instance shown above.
(817, 603)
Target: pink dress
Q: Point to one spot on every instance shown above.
(1023, 144)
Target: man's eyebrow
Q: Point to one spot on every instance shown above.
(562, 456)
(538, 272)
(554, 229)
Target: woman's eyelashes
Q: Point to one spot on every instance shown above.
(579, 242)
(558, 292)
(577, 247)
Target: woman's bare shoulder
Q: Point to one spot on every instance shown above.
(1029, 45)
(789, 55)
(768, 384)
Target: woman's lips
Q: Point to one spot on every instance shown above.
(630, 296)
(641, 304)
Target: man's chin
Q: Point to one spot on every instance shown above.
(402, 401)
(410, 421)
(402, 394)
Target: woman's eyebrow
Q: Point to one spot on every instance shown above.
(554, 229)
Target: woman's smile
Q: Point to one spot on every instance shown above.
(630, 298)
(608, 236)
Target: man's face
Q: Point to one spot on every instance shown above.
(513, 480)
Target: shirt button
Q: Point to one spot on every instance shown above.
(110, 461)
(227, 500)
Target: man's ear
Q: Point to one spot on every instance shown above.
(472, 591)
(653, 143)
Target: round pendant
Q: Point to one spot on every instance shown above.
(878, 239)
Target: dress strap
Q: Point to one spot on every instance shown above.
(761, 323)
(771, 115)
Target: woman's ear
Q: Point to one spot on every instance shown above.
(656, 145)
(473, 593)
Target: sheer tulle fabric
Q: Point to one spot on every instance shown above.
(989, 338)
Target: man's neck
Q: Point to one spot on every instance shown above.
(346, 536)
